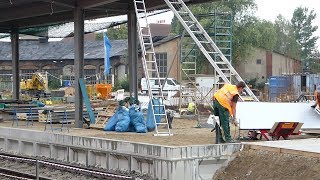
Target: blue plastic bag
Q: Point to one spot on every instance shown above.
(111, 124)
(157, 110)
(137, 120)
(123, 120)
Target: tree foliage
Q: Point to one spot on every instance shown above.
(252, 33)
(303, 32)
(114, 33)
(285, 42)
(292, 38)
(247, 30)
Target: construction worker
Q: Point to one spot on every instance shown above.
(191, 108)
(317, 97)
(224, 103)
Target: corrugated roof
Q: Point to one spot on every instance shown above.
(59, 50)
(34, 50)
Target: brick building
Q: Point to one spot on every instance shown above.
(57, 58)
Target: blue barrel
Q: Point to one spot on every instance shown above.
(278, 85)
(66, 83)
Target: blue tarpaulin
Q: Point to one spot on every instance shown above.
(156, 110)
(107, 47)
(137, 120)
(126, 121)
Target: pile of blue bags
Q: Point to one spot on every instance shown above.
(128, 118)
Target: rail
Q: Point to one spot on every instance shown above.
(59, 166)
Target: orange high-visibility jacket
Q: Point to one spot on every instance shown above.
(317, 97)
(225, 95)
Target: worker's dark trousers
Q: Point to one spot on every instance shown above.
(224, 121)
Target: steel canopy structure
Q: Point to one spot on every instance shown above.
(22, 14)
(31, 13)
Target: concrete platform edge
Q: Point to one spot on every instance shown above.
(162, 162)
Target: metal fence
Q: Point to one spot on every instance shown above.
(5, 82)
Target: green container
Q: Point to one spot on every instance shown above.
(2, 105)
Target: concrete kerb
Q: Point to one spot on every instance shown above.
(282, 150)
(163, 162)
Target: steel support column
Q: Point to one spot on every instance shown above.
(78, 63)
(133, 52)
(15, 63)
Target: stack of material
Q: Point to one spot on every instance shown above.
(22, 111)
(69, 91)
(58, 115)
(57, 93)
(61, 114)
(103, 116)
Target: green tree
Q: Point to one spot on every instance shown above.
(114, 33)
(249, 33)
(247, 30)
(122, 84)
(303, 30)
(285, 41)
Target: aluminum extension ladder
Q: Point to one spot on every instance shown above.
(150, 67)
(209, 49)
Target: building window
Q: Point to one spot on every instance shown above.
(89, 72)
(6, 72)
(162, 64)
(28, 71)
(90, 76)
(161, 21)
(258, 61)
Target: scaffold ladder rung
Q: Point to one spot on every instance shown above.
(178, 7)
(150, 66)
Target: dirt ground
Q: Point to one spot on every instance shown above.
(258, 165)
(185, 132)
(248, 164)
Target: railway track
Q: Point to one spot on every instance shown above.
(54, 165)
(13, 174)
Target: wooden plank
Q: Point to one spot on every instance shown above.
(94, 126)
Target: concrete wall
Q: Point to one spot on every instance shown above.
(173, 54)
(278, 65)
(283, 65)
(249, 69)
(162, 162)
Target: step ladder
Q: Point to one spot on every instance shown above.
(209, 49)
(188, 70)
(150, 68)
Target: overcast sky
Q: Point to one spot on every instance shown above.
(270, 9)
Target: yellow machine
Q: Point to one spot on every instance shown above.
(38, 84)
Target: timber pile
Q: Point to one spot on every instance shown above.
(103, 116)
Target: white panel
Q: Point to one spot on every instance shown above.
(262, 115)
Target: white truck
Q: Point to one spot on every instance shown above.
(170, 85)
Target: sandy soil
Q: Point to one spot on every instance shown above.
(185, 132)
(257, 164)
(248, 164)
